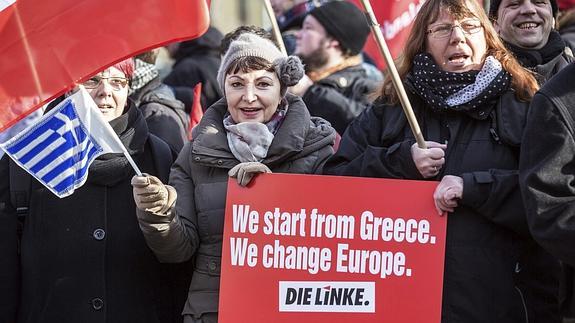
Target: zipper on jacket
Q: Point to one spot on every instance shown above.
(523, 303)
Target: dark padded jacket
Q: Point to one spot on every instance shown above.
(165, 115)
(200, 175)
(340, 97)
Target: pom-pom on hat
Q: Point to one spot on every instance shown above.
(345, 22)
(289, 69)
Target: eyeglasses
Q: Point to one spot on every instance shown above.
(117, 83)
(471, 26)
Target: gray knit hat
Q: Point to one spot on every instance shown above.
(289, 69)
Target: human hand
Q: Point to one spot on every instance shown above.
(448, 193)
(429, 160)
(244, 172)
(151, 195)
(302, 86)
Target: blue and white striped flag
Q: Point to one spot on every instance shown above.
(58, 149)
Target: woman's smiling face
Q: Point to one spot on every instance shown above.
(252, 96)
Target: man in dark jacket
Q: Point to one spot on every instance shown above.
(197, 61)
(527, 29)
(165, 115)
(336, 85)
(547, 166)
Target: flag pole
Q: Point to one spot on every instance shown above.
(111, 131)
(275, 27)
(131, 161)
(396, 80)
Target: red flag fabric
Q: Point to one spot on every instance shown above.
(47, 46)
(197, 112)
(395, 18)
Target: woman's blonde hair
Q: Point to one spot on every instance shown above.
(522, 80)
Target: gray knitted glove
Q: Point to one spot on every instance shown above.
(244, 172)
(151, 195)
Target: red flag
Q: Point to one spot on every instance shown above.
(395, 18)
(197, 112)
(47, 46)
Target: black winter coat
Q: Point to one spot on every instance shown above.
(538, 273)
(83, 257)
(483, 233)
(547, 168)
(197, 61)
(340, 97)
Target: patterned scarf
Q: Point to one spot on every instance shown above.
(250, 141)
(533, 57)
(467, 92)
(143, 74)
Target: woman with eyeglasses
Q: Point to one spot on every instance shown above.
(470, 97)
(83, 258)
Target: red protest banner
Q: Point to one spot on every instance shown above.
(302, 248)
(47, 46)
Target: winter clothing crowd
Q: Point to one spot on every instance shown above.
(492, 92)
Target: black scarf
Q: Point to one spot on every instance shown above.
(110, 169)
(534, 57)
(435, 85)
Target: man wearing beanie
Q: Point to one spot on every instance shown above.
(527, 30)
(336, 85)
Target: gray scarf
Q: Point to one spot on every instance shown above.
(250, 141)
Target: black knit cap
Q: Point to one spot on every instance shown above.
(345, 22)
(494, 7)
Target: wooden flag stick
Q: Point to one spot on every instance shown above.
(397, 84)
(275, 27)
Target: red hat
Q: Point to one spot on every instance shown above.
(126, 66)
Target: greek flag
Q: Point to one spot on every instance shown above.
(58, 149)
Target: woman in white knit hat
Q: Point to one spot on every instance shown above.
(256, 128)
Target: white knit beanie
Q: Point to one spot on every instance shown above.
(289, 69)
